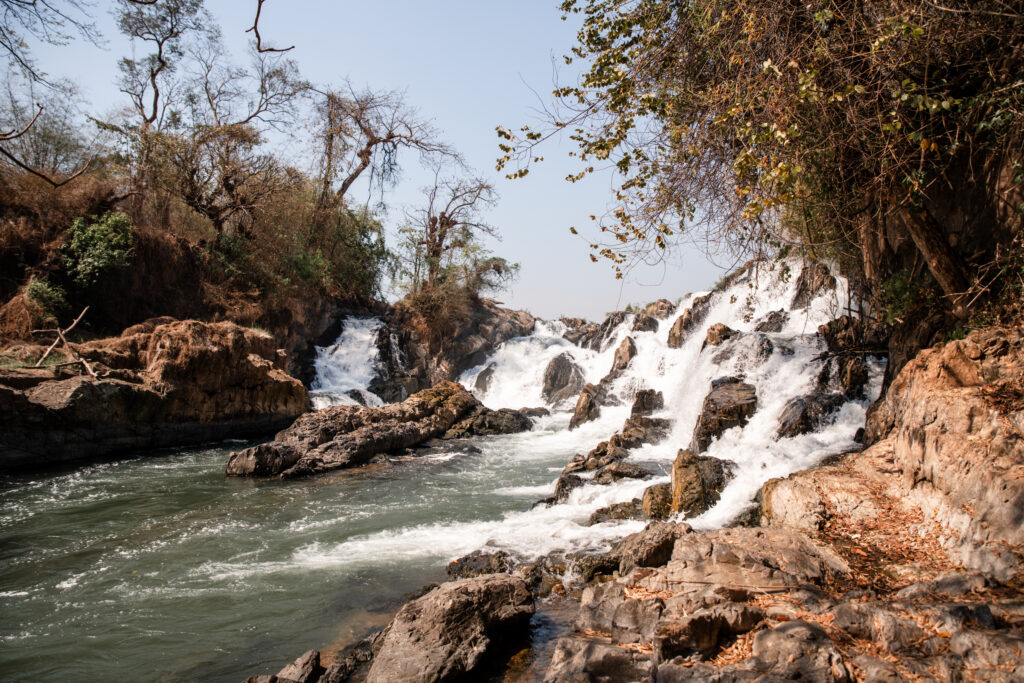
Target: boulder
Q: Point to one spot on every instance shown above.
(346, 436)
(772, 322)
(563, 379)
(579, 659)
(657, 502)
(660, 309)
(815, 279)
(160, 384)
(483, 380)
(478, 563)
(646, 402)
(730, 403)
(620, 470)
(805, 414)
(697, 482)
(691, 318)
(580, 332)
(448, 633)
(704, 631)
(485, 422)
(623, 355)
(717, 335)
(586, 409)
(651, 547)
(644, 323)
(305, 669)
(565, 485)
(630, 509)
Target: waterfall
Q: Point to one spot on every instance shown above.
(345, 369)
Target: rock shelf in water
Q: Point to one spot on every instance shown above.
(346, 436)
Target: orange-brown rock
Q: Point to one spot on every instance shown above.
(161, 383)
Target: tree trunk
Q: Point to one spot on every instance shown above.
(944, 263)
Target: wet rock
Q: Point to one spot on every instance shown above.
(640, 430)
(704, 631)
(483, 380)
(644, 323)
(580, 332)
(690, 319)
(660, 309)
(815, 279)
(478, 563)
(582, 660)
(305, 669)
(630, 509)
(730, 403)
(657, 501)
(448, 633)
(717, 335)
(651, 547)
(620, 470)
(534, 412)
(565, 485)
(587, 408)
(485, 422)
(697, 482)
(623, 355)
(853, 376)
(646, 402)
(805, 414)
(345, 436)
(563, 379)
(772, 322)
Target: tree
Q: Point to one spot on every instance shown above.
(833, 128)
(52, 21)
(441, 242)
(212, 143)
(360, 131)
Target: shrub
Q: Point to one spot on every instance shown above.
(98, 247)
(51, 298)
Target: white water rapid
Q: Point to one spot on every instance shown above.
(684, 376)
(345, 369)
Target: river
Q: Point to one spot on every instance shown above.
(159, 568)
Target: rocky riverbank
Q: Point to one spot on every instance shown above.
(899, 562)
(161, 383)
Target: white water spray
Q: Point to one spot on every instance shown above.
(345, 369)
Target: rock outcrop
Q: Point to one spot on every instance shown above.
(805, 414)
(730, 403)
(587, 408)
(814, 279)
(697, 482)
(563, 379)
(345, 436)
(691, 318)
(448, 634)
(161, 383)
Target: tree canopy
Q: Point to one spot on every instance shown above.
(838, 128)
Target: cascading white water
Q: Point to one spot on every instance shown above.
(684, 376)
(345, 369)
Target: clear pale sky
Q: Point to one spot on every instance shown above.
(468, 66)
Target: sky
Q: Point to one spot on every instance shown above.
(467, 66)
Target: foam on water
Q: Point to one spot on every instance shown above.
(346, 368)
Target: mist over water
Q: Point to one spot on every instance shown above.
(160, 568)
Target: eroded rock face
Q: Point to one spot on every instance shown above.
(815, 279)
(563, 379)
(172, 383)
(345, 436)
(730, 403)
(772, 322)
(485, 422)
(623, 355)
(645, 323)
(691, 318)
(587, 408)
(646, 402)
(449, 632)
(805, 414)
(660, 309)
(697, 482)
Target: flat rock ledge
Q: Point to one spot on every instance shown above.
(347, 436)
